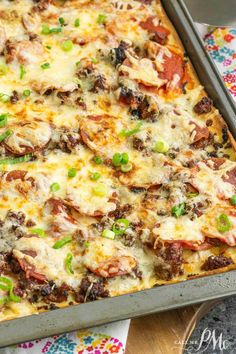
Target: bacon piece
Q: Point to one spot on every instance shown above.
(115, 266)
(30, 271)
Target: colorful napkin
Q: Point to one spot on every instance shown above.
(111, 338)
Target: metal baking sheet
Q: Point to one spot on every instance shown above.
(159, 298)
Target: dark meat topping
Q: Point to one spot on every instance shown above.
(14, 98)
(118, 54)
(91, 290)
(169, 261)
(215, 262)
(203, 106)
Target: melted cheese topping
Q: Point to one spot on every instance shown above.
(90, 86)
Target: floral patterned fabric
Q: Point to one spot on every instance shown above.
(221, 44)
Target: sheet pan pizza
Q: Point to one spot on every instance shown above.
(117, 173)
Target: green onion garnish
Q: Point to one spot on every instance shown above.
(3, 119)
(95, 176)
(86, 244)
(48, 47)
(94, 60)
(26, 93)
(77, 22)
(98, 160)
(3, 70)
(5, 135)
(67, 46)
(233, 199)
(47, 30)
(55, 187)
(192, 194)
(9, 161)
(61, 21)
(72, 172)
(126, 133)
(223, 223)
(120, 159)
(4, 97)
(68, 263)
(22, 71)
(161, 146)
(101, 19)
(108, 234)
(100, 190)
(45, 66)
(120, 226)
(178, 210)
(62, 242)
(7, 285)
(126, 168)
(39, 232)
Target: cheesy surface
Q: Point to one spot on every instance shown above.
(116, 171)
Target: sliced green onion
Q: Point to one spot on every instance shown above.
(45, 66)
(26, 93)
(77, 22)
(100, 190)
(192, 194)
(120, 226)
(7, 283)
(108, 234)
(4, 97)
(55, 30)
(55, 187)
(126, 168)
(68, 263)
(101, 19)
(39, 232)
(5, 135)
(95, 176)
(9, 161)
(13, 297)
(67, 46)
(45, 29)
(3, 300)
(98, 160)
(48, 47)
(223, 223)
(62, 242)
(233, 199)
(3, 70)
(178, 210)
(61, 21)
(3, 119)
(9, 286)
(94, 60)
(120, 159)
(72, 172)
(22, 71)
(87, 244)
(161, 146)
(127, 133)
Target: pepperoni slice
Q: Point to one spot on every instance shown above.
(30, 271)
(200, 136)
(172, 66)
(152, 26)
(230, 177)
(14, 175)
(115, 266)
(28, 137)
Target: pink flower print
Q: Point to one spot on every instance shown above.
(227, 62)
